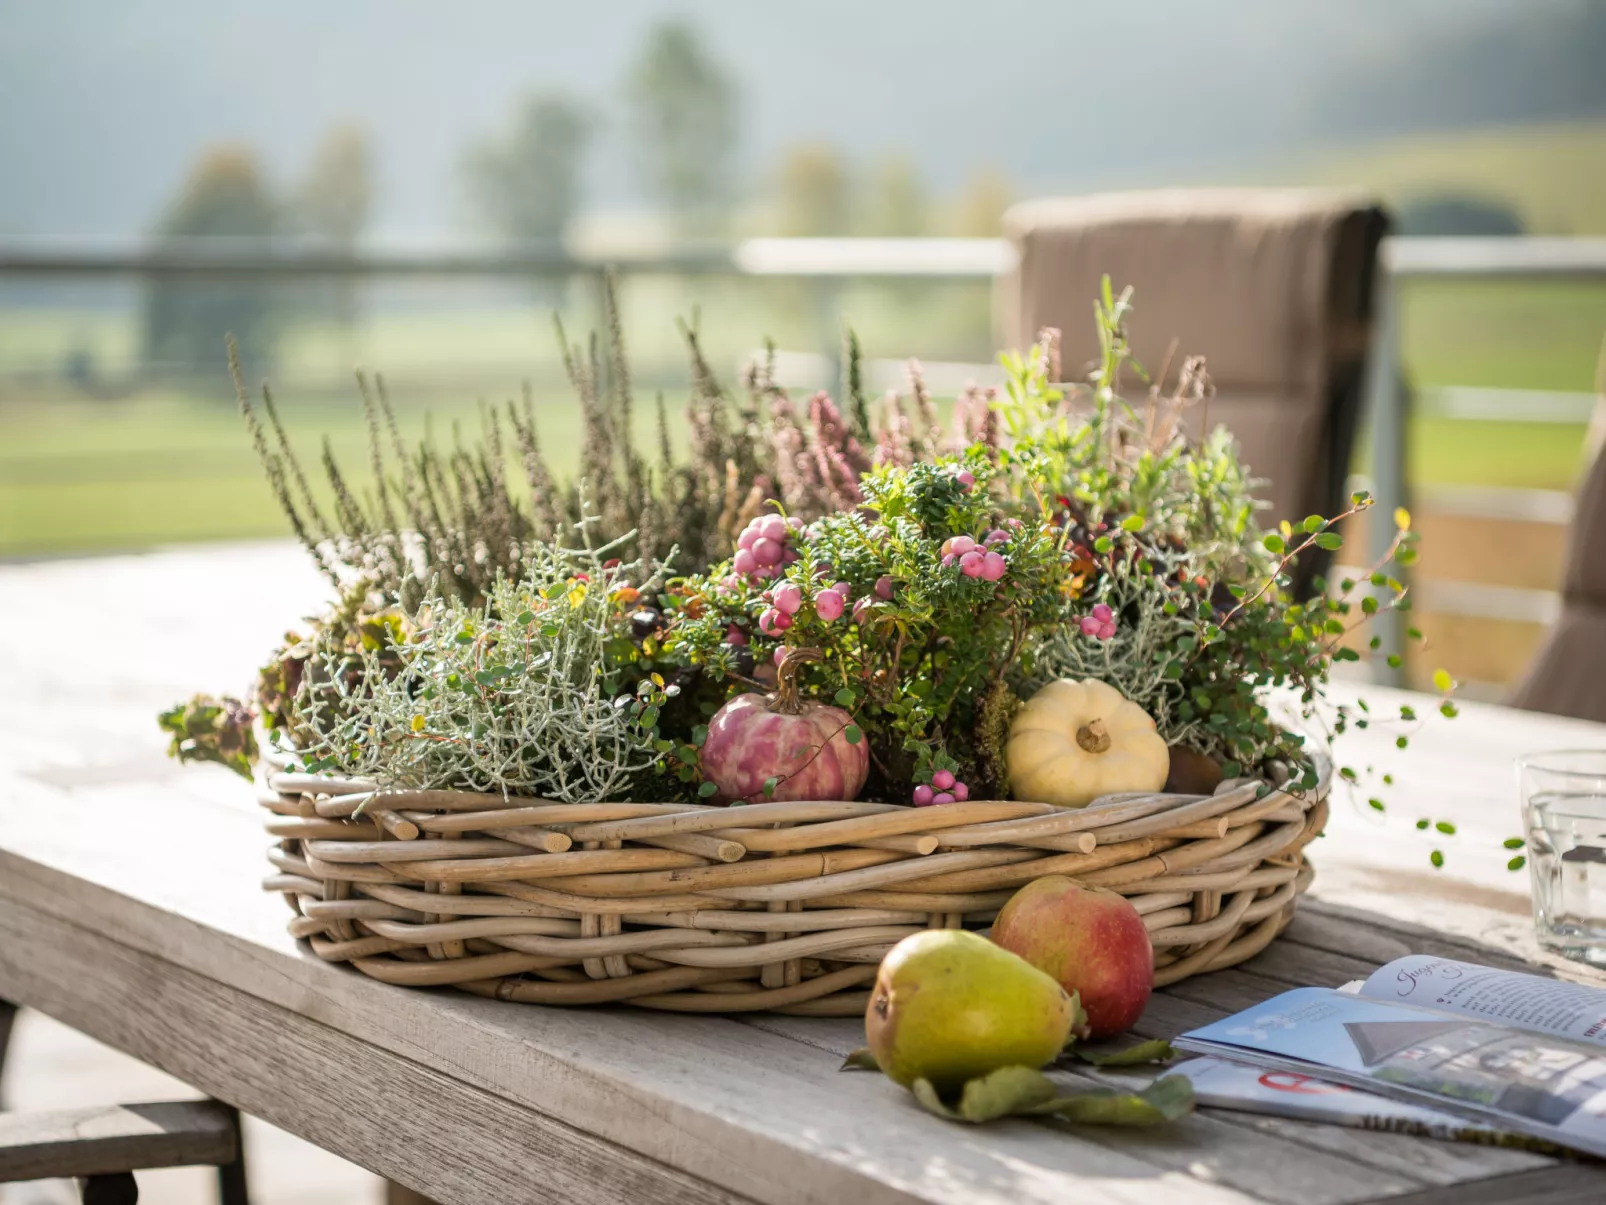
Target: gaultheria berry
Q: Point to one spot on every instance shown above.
(745, 562)
(942, 797)
(997, 536)
(883, 587)
(773, 527)
(860, 607)
(828, 605)
(780, 654)
(923, 795)
(794, 523)
(749, 534)
(948, 560)
(942, 779)
(844, 589)
(957, 545)
(961, 792)
(766, 551)
(735, 635)
(782, 621)
(769, 621)
(967, 479)
(992, 566)
(971, 563)
(789, 556)
(1102, 612)
(788, 598)
(1090, 626)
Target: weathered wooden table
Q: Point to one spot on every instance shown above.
(130, 909)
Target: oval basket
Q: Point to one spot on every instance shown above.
(786, 907)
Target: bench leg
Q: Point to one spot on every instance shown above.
(231, 1182)
(8, 1014)
(397, 1194)
(114, 1188)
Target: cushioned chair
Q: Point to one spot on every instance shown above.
(1273, 287)
(1568, 677)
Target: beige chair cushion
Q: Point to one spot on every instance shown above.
(1568, 677)
(1273, 287)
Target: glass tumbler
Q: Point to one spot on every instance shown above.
(1564, 812)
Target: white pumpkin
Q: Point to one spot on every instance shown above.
(1075, 741)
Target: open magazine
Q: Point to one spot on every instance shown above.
(1500, 1049)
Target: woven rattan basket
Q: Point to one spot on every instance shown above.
(785, 907)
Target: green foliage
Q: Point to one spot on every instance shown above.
(208, 729)
(523, 694)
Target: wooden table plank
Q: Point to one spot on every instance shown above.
(127, 873)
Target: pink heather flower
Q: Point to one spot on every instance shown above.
(923, 795)
(766, 551)
(773, 527)
(745, 563)
(971, 563)
(992, 566)
(749, 534)
(828, 605)
(967, 479)
(860, 608)
(957, 545)
(997, 536)
(735, 635)
(788, 598)
(942, 797)
(942, 779)
(883, 587)
(961, 792)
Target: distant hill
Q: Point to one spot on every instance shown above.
(104, 107)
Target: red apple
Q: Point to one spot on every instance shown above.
(1091, 940)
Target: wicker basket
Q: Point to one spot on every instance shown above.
(786, 907)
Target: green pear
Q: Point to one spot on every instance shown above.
(950, 1005)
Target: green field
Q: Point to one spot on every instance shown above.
(144, 467)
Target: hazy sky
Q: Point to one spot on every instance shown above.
(104, 105)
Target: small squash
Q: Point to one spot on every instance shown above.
(1075, 741)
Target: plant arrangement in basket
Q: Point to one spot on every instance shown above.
(932, 604)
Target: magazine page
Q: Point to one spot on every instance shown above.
(1221, 1084)
(1542, 1086)
(1569, 1010)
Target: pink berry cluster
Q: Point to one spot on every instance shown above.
(944, 788)
(977, 560)
(1099, 623)
(761, 549)
(786, 600)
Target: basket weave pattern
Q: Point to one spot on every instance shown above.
(785, 907)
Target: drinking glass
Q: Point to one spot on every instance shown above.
(1564, 811)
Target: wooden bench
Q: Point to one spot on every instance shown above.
(103, 1146)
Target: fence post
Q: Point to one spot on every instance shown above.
(1386, 405)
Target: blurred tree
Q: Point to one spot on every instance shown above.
(336, 197)
(683, 114)
(982, 201)
(1456, 214)
(897, 203)
(333, 204)
(185, 320)
(812, 192)
(526, 184)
